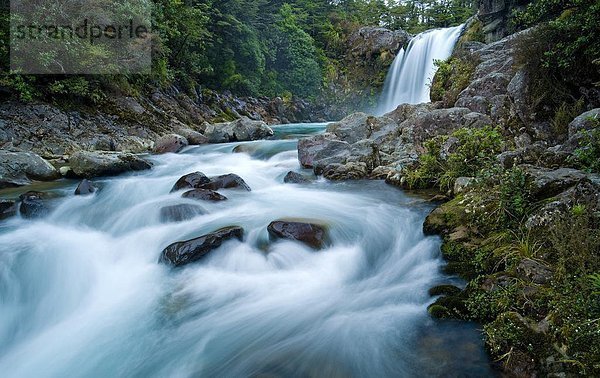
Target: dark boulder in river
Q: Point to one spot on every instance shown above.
(180, 213)
(96, 164)
(192, 181)
(186, 252)
(229, 181)
(33, 205)
(295, 178)
(313, 235)
(85, 188)
(8, 209)
(204, 195)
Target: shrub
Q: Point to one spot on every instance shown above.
(587, 156)
(563, 116)
(476, 149)
(452, 77)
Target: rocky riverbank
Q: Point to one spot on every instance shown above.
(521, 195)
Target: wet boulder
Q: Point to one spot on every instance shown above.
(348, 171)
(19, 168)
(311, 234)
(180, 213)
(295, 178)
(171, 143)
(8, 208)
(186, 252)
(228, 181)
(34, 205)
(204, 195)
(191, 181)
(85, 187)
(88, 165)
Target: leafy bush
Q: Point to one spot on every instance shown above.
(452, 77)
(587, 156)
(475, 150)
(563, 116)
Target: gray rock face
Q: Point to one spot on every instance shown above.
(8, 209)
(204, 195)
(241, 130)
(494, 14)
(171, 143)
(97, 164)
(187, 252)
(313, 235)
(545, 183)
(371, 41)
(19, 168)
(321, 150)
(586, 121)
(180, 213)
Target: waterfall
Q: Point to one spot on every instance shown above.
(410, 76)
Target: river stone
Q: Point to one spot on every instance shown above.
(33, 205)
(85, 187)
(180, 213)
(204, 195)
(191, 181)
(228, 181)
(171, 143)
(19, 168)
(241, 130)
(186, 252)
(313, 235)
(295, 178)
(88, 165)
(8, 208)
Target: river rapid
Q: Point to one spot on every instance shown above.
(82, 293)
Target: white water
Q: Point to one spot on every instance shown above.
(82, 294)
(409, 78)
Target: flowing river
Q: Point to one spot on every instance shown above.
(82, 293)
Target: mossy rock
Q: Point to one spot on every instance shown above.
(511, 330)
(444, 290)
(445, 218)
(439, 312)
(448, 307)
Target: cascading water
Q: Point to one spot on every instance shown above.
(82, 293)
(410, 75)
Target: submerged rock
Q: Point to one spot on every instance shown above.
(204, 195)
(229, 181)
(171, 143)
(191, 181)
(97, 164)
(313, 235)
(8, 208)
(180, 213)
(33, 205)
(19, 168)
(186, 252)
(85, 187)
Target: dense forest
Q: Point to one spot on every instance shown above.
(249, 47)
